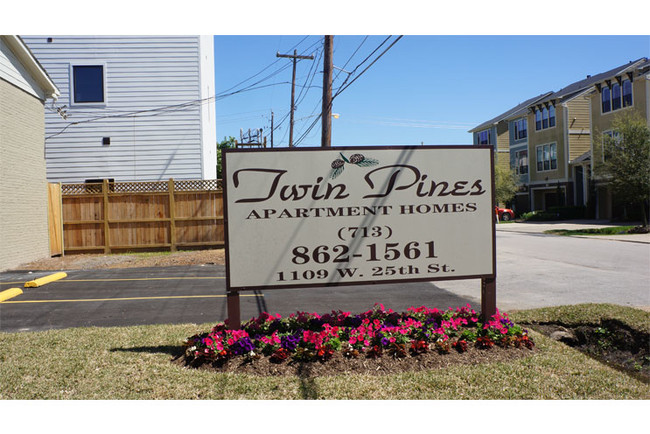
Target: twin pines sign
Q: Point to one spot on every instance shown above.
(347, 216)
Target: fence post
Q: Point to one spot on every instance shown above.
(107, 237)
(172, 214)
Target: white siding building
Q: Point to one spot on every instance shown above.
(137, 108)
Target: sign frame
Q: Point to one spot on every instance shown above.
(488, 281)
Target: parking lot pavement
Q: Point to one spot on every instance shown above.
(115, 297)
(187, 294)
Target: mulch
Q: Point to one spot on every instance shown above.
(339, 364)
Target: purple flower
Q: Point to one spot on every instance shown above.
(384, 341)
(289, 342)
(242, 346)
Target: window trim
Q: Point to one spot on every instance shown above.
(618, 99)
(611, 96)
(551, 122)
(519, 132)
(614, 135)
(489, 137)
(546, 149)
(627, 80)
(72, 86)
(518, 159)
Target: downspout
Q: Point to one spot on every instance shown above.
(647, 97)
(588, 179)
(567, 175)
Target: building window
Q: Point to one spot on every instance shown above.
(606, 99)
(546, 157)
(484, 138)
(88, 83)
(551, 116)
(627, 93)
(521, 129)
(616, 136)
(545, 118)
(521, 162)
(617, 96)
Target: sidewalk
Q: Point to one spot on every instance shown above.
(540, 227)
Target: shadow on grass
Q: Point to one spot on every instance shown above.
(308, 388)
(174, 351)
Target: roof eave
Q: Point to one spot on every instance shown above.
(23, 53)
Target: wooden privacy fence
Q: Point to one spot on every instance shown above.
(112, 216)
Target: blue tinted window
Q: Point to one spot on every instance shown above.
(616, 96)
(538, 120)
(544, 117)
(606, 100)
(484, 137)
(88, 83)
(551, 115)
(627, 93)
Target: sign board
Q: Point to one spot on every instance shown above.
(315, 217)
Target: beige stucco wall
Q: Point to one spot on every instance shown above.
(23, 183)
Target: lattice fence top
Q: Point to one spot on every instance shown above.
(80, 189)
(141, 187)
(137, 187)
(197, 185)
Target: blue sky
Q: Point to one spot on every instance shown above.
(449, 73)
(425, 89)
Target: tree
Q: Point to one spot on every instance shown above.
(224, 144)
(626, 163)
(505, 184)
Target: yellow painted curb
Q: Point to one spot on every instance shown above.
(43, 280)
(10, 293)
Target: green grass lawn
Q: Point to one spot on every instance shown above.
(615, 230)
(134, 363)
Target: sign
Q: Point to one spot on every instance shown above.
(344, 216)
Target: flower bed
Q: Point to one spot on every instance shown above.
(307, 337)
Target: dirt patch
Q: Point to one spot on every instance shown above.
(126, 260)
(339, 364)
(611, 342)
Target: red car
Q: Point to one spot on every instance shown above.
(504, 214)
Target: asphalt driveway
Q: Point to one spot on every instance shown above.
(186, 294)
(533, 270)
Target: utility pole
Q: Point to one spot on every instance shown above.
(295, 57)
(326, 130)
(271, 128)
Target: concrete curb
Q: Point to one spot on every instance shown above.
(43, 280)
(10, 293)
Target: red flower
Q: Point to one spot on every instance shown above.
(419, 346)
(279, 355)
(484, 342)
(460, 346)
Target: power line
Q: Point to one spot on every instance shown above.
(341, 89)
(343, 86)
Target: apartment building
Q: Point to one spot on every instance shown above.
(551, 138)
(628, 91)
(508, 133)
